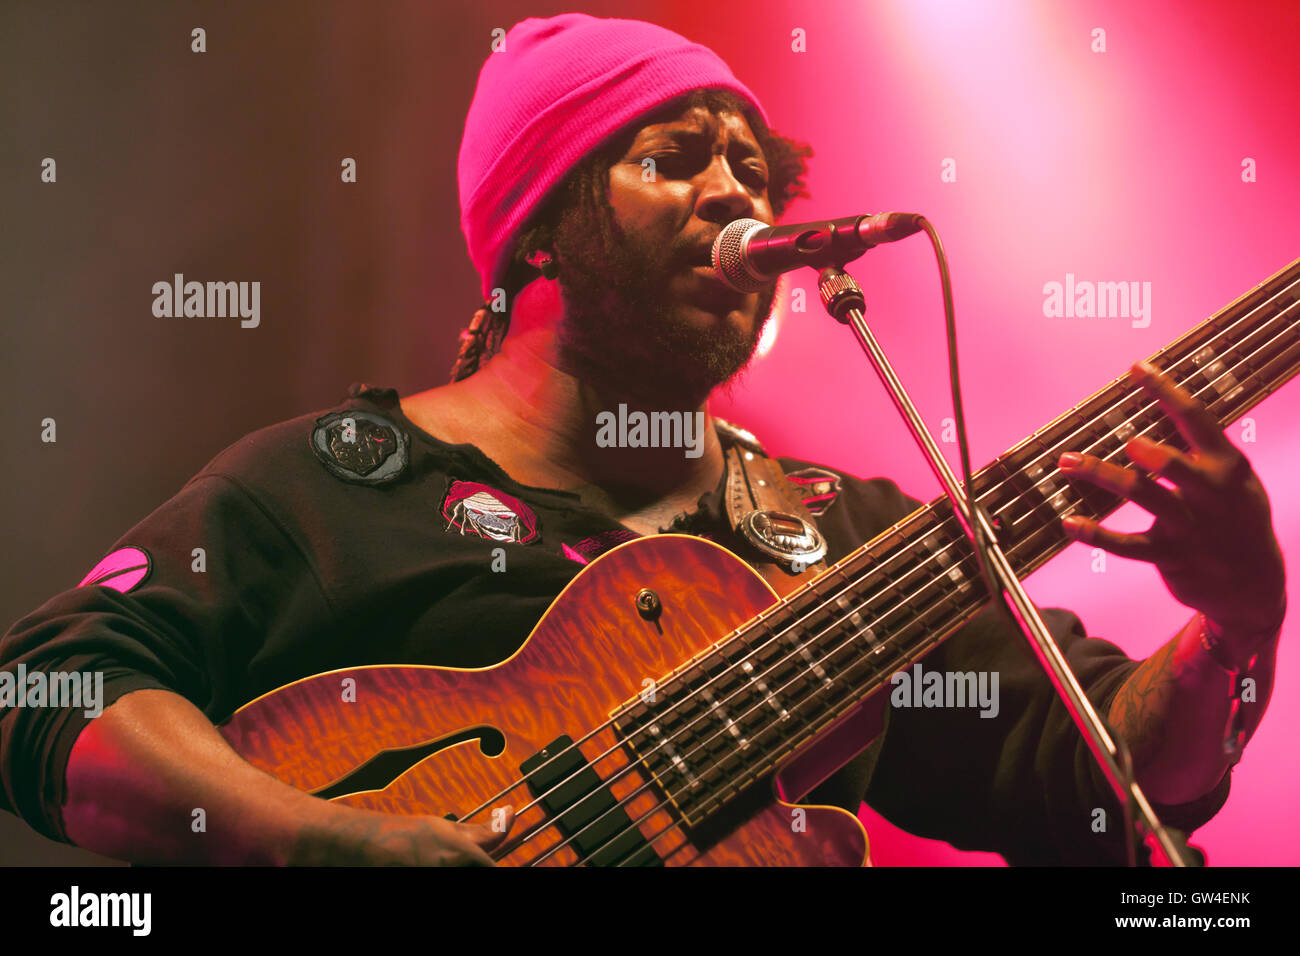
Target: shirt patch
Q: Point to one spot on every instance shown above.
(818, 487)
(124, 569)
(475, 508)
(360, 447)
(589, 549)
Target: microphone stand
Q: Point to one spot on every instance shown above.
(844, 301)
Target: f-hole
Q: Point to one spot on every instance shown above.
(386, 766)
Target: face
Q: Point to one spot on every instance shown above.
(642, 304)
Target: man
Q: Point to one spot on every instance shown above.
(366, 534)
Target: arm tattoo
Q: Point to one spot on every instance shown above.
(354, 843)
(1140, 710)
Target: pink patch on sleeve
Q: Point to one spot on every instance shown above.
(570, 553)
(589, 549)
(122, 570)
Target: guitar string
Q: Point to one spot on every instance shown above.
(755, 735)
(1236, 366)
(730, 785)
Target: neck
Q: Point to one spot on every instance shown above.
(548, 402)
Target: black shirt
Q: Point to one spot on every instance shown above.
(310, 562)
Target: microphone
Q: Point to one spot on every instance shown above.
(748, 255)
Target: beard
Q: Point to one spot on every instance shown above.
(623, 327)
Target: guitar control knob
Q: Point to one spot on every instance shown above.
(647, 604)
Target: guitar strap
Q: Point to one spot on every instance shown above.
(765, 510)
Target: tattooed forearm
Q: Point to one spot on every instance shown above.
(341, 844)
(1140, 710)
(1173, 712)
(365, 838)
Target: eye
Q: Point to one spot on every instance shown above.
(675, 162)
(672, 160)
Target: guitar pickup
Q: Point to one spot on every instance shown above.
(582, 808)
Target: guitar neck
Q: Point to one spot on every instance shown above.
(1231, 362)
(836, 640)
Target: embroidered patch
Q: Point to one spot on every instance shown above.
(589, 549)
(475, 508)
(361, 447)
(818, 487)
(124, 569)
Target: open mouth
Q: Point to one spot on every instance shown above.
(711, 290)
(702, 255)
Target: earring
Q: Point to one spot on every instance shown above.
(544, 262)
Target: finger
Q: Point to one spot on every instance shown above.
(490, 835)
(479, 839)
(500, 826)
(475, 841)
(1193, 419)
(474, 855)
(1139, 547)
(1164, 460)
(1127, 483)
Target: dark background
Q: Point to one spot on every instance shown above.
(221, 166)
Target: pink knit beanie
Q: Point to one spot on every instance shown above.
(557, 89)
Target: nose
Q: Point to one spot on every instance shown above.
(723, 198)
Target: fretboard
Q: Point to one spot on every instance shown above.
(730, 715)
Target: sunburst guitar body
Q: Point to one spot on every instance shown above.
(616, 732)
